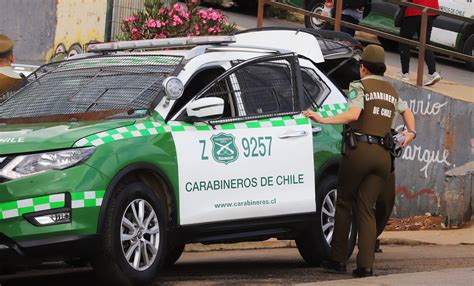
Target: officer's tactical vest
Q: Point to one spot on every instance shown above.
(379, 108)
(6, 84)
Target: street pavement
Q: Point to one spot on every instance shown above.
(449, 69)
(264, 266)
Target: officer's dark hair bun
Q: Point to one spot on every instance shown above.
(374, 68)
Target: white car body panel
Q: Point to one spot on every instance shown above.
(296, 41)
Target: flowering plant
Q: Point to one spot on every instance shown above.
(159, 21)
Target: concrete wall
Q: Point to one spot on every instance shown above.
(43, 28)
(31, 24)
(445, 133)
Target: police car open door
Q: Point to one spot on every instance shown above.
(257, 159)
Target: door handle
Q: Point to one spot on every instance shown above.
(293, 134)
(317, 129)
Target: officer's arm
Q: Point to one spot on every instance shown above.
(409, 119)
(352, 114)
(355, 105)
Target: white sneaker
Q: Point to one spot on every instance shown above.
(432, 79)
(404, 76)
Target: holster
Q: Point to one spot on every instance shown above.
(388, 142)
(349, 141)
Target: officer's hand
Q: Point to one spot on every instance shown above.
(408, 138)
(313, 115)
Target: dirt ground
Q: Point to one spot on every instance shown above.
(424, 222)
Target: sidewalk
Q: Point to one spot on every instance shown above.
(454, 277)
(464, 235)
(445, 87)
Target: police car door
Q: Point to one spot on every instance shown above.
(257, 160)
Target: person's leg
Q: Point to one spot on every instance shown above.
(409, 27)
(348, 181)
(365, 216)
(429, 55)
(384, 204)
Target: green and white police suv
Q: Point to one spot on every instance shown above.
(121, 158)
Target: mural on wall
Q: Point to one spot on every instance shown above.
(445, 129)
(62, 53)
(74, 30)
(61, 27)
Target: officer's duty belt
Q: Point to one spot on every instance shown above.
(370, 139)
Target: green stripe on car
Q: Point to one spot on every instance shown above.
(78, 200)
(154, 128)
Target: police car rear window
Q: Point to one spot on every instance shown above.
(92, 85)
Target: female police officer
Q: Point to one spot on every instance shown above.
(372, 105)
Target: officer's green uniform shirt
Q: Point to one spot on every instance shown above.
(356, 97)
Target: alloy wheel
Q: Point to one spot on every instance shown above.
(140, 235)
(328, 214)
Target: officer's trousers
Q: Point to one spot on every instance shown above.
(384, 204)
(385, 200)
(362, 174)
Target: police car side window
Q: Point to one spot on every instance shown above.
(315, 90)
(265, 88)
(257, 88)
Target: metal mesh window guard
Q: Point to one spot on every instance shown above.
(259, 88)
(315, 90)
(93, 84)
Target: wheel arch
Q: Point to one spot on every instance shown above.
(149, 174)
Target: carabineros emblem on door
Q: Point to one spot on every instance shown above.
(224, 149)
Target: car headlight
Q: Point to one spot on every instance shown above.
(37, 163)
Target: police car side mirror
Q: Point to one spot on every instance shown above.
(205, 109)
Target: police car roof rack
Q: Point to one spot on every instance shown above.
(160, 43)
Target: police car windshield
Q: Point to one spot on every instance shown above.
(92, 85)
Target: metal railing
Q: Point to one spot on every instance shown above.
(421, 44)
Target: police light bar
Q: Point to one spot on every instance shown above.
(160, 43)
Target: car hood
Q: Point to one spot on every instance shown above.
(27, 138)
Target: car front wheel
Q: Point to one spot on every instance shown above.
(132, 243)
(315, 6)
(314, 245)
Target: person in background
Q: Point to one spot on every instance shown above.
(8, 78)
(410, 26)
(353, 12)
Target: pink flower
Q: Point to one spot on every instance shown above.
(154, 24)
(161, 11)
(134, 31)
(136, 36)
(131, 19)
(184, 15)
(214, 15)
(177, 19)
(177, 7)
(202, 14)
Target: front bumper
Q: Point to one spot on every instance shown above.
(55, 247)
(79, 190)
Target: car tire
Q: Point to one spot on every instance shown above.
(314, 244)
(173, 254)
(469, 50)
(315, 6)
(388, 44)
(134, 226)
